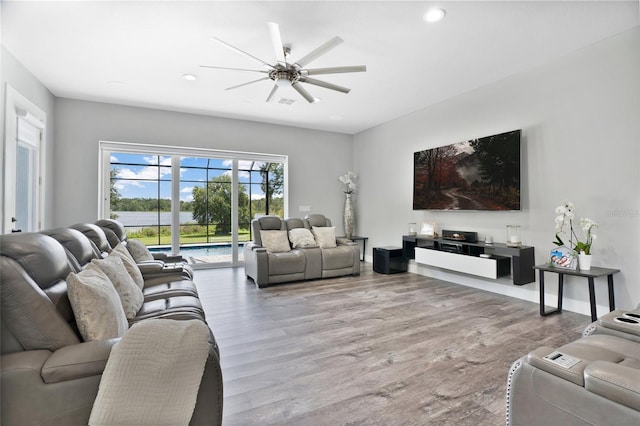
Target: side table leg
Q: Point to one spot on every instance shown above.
(612, 300)
(544, 313)
(560, 291)
(542, 293)
(592, 299)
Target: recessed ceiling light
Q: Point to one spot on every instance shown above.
(434, 15)
(190, 77)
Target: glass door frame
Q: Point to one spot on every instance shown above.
(104, 167)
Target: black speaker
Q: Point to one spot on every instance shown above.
(389, 260)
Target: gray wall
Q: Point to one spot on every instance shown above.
(316, 159)
(580, 121)
(17, 76)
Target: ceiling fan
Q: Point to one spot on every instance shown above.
(285, 73)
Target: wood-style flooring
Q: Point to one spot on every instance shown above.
(373, 349)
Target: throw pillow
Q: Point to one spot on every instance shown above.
(275, 241)
(130, 294)
(138, 251)
(301, 237)
(96, 305)
(325, 236)
(129, 264)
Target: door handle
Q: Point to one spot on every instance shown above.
(14, 220)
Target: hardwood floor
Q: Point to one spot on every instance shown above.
(375, 349)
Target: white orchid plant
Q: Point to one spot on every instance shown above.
(564, 224)
(348, 179)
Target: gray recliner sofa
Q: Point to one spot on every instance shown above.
(592, 381)
(298, 264)
(48, 373)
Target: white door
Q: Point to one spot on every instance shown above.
(23, 154)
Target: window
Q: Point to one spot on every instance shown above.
(199, 203)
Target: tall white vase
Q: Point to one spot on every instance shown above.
(584, 261)
(349, 216)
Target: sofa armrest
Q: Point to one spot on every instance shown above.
(256, 263)
(615, 382)
(345, 242)
(77, 361)
(171, 258)
(251, 246)
(153, 268)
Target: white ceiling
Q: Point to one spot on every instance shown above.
(135, 53)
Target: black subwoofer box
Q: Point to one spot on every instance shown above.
(389, 260)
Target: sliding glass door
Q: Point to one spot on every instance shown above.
(198, 206)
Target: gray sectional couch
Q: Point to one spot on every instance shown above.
(49, 374)
(310, 262)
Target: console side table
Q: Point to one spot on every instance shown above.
(591, 275)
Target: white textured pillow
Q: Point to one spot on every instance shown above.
(138, 251)
(301, 237)
(96, 305)
(275, 241)
(325, 236)
(129, 264)
(130, 294)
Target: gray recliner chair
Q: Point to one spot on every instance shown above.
(592, 381)
(116, 233)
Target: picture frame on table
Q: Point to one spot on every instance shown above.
(428, 229)
(563, 258)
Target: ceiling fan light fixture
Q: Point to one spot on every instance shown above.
(434, 15)
(283, 82)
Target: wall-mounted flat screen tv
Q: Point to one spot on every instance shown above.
(478, 174)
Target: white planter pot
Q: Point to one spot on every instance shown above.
(584, 261)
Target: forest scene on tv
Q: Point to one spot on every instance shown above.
(478, 174)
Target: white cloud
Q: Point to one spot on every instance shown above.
(149, 173)
(187, 198)
(113, 159)
(257, 196)
(187, 189)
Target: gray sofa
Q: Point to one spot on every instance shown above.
(592, 381)
(48, 373)
(297, 264)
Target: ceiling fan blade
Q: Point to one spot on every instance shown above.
(324, 84)
(319, 51)
(245, 84)
(224, 43)
(272, 93)
(233, 69)
(276, 41)
(334, 70)
(304, 93)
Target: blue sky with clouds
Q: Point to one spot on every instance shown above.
(142, 176)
